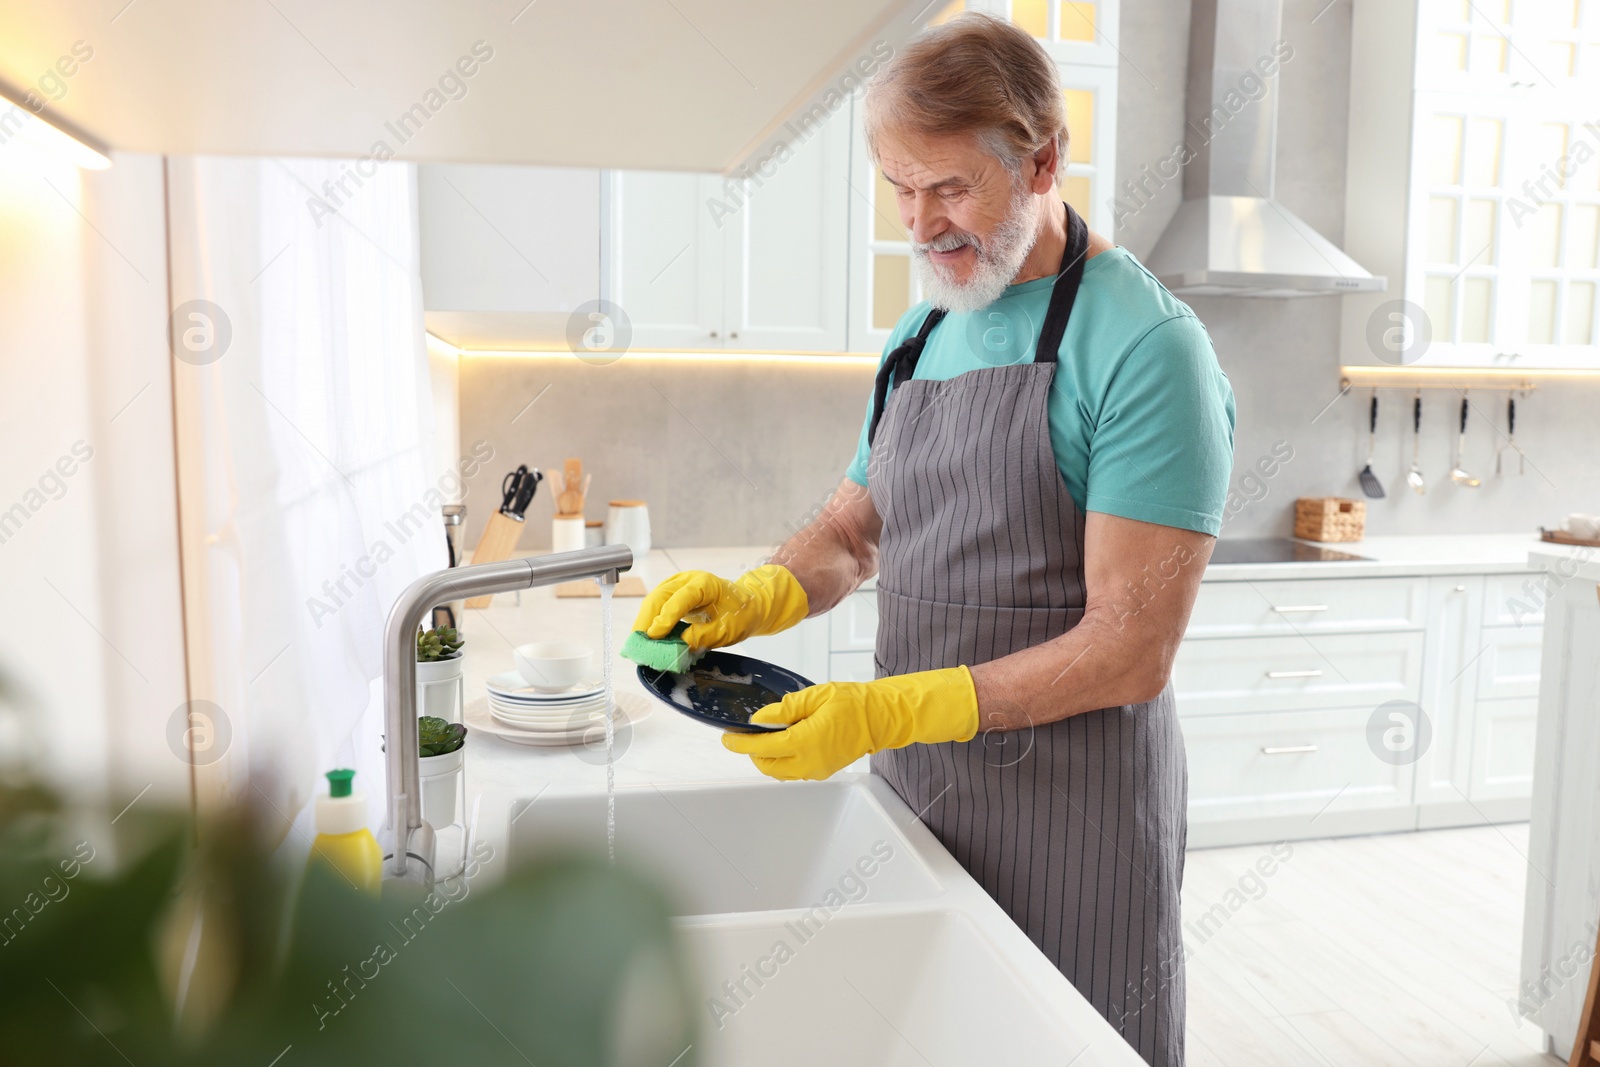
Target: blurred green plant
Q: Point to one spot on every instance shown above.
(435, 737)
(442, 642)
(153, 941)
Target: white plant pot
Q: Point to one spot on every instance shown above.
(441, 779)
(440, 689)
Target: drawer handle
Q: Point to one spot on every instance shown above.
(1294, 674)
(1299, 607)
(1287, 750)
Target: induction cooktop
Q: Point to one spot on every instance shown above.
(1277, 550)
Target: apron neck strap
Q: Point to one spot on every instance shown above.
(901, 364)
(1065, 291)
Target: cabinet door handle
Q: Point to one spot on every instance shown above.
(1294, 674)
(1287, 750)
(1299, 607)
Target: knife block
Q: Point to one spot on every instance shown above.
(499, 540)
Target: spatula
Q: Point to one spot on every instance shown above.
(1511, 437)
(1369, 481)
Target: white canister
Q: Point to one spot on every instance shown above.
(566, 533)
(628, 523)
(594, 534)
(1583, 527)
(441, 780)
(440, 689)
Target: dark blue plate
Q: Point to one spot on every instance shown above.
(723, 690)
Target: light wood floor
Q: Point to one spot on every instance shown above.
(1400, 950)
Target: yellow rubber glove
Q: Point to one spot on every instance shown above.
(833, 725)
(720, 612)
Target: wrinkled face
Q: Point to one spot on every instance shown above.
(971, 222)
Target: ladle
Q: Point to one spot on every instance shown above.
(1457, 473)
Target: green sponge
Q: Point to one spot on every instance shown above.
(669, 653)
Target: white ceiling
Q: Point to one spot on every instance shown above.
(651, 84)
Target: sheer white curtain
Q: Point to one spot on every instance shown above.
(305, 446)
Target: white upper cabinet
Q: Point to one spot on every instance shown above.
(666, 260)
(508, 239)
(705, 262)
(1494, 187)
(785, 249)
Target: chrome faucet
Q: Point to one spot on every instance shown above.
(411, 844)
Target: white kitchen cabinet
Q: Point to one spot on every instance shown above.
(1503, 739)
(666, 257)
(703, 262)
(1299, 607)
(508, 239)
(1315, 658)
(785, 250)
(1449, 697)
(1472, 183)
(1290, 774)
(1291, 673)
(1509, 666)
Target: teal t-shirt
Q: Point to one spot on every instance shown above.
(1141, 416)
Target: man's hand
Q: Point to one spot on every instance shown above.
(720, 612)
(831, 726)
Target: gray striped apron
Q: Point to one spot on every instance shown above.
(1076, 827)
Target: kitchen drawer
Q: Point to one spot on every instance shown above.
(851, 667)
(853, 625)
(1509, 666)
(1515, 599)
(1287, 764)
(1502, 749)
(1252, 674)
(1244, 609)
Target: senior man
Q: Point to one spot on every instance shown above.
(1038, 485)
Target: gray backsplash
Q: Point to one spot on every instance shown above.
(723, 453)
(729, 453)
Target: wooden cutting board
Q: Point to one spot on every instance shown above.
(1561, 537)
(629, 585)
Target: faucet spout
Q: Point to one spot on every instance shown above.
(411, 856)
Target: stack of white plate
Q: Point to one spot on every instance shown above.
(558, 718)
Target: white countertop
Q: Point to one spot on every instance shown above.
(1397, 556)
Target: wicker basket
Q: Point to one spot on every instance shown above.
(1329, 518)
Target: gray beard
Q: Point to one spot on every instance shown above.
(998, 259)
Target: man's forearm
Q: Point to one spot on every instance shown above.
(1094, 665)
(831, 556)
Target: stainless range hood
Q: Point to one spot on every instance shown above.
(1230, 237)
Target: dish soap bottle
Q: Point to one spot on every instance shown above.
(343, 840)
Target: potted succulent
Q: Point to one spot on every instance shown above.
(440, 690)
(440, 746)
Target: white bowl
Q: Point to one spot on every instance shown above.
(551, 666)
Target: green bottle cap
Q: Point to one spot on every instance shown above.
(339, 782)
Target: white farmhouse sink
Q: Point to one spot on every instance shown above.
(738, 848)
(908, 989)
(828, 926)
